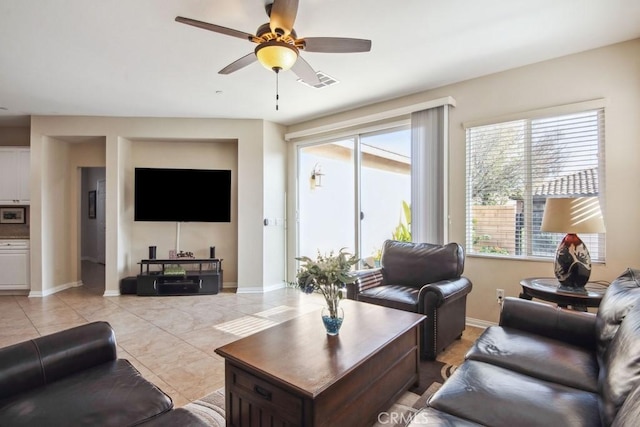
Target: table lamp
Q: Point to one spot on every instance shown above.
(572, 265)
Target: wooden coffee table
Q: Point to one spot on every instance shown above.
(294, 374)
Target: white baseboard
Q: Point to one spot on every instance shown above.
(258, 289)
(51, 291)
(478, 323)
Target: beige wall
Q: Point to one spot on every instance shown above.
(14, 136)
(195, 237)
(57, 178)
(275, 173)
(612, 73)
(129, 142)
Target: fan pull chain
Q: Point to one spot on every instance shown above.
(277, 88)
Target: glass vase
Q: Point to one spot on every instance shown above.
(332, 319)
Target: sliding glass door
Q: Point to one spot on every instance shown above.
(326, 198)
(354, 193)
(385, 190)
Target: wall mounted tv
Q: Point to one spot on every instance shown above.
(182, 195)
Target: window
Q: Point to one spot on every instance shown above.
(514, 166)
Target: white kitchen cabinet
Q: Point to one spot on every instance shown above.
(14, 265)
(15, 164)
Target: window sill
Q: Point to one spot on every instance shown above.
(513, 258)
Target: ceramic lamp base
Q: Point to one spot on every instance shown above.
(572, 266)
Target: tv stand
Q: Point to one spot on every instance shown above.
(174, 279)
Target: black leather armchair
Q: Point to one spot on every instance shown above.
(423, 278)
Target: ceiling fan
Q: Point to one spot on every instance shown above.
(278, 44)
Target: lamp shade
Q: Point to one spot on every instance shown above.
(572, 215)
(277, 55)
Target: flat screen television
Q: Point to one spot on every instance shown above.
(182, 195)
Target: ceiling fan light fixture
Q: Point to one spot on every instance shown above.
(276, 55)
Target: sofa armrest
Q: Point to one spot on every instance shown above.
(573, 327)
(366, 279)
(445, 291)
(43, 360)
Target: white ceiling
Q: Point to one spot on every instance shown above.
(130, 57)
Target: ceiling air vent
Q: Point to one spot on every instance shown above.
(325, 80)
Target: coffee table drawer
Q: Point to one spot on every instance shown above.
(254, 401)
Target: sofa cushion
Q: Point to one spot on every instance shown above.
(495, 396)
(621, 372)
(621, 295)
(110, 394)
(392, 296)
(417, 264)
(537, 356)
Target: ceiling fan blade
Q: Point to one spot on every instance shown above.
(335, 44)
(303, 70)
(215, 28)
(282, 16)
(240, 63)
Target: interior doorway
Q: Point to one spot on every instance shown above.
(93, 228)
(101, 222)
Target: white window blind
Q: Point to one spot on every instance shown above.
(514, 166)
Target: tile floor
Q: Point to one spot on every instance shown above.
(170, 340)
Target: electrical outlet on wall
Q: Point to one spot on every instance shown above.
(500, 295)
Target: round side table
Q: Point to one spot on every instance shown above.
(546, 288)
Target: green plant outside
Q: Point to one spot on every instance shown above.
(476, 239)
(402, 233)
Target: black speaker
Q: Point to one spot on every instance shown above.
(212, 251)
(128, 285)
(152, 252)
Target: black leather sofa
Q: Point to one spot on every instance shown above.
(422, 278)
(74, 378)
(548, 366)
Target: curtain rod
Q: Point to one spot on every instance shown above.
(368, 118)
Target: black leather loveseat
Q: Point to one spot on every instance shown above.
(73, 378)
(423, 278)
(548, 366)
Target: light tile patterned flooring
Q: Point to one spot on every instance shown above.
(170, 339)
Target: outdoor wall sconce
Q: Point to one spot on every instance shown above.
(316, 176)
